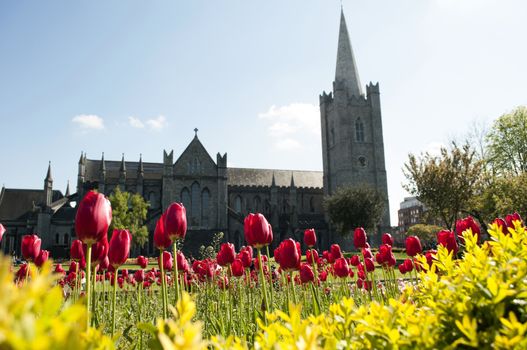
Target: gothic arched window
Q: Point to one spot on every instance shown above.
(195, 195)
(66, 239)
(257, 204)
(152, 200)
(185, 199)
(56, 238)
(205, 197)
(238, 204)
(312, 204)
(359, 130)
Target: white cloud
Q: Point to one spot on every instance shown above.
(157, 123)
(87, 122)
(136, 122)
(292, 126)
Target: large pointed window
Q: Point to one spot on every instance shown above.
(205, 198)
(359, 130)
(238, 204)
(257, 205)
(195, 211)
(185, 199)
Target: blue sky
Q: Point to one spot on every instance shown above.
(137, 77)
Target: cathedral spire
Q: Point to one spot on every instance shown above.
(346, 72)
(48, 175)
(67, 189)
(123, 165)
(141, 169)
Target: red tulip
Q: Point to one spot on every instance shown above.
(76, 250)
(355, 260)
(257, 230)
(430, 257)
(289, 255)
(448, 240)
(387, 239)
(176, 221)
(167, 261)
(2, 231)
(119, 247)
(226, 255)
(402, 269)
(465, 224)
(161, 239)
(93, 217)
(98, 251)
(139, 275)
(182, 263)
(30, 247)
(370, 267)
(341, 268)
(104, 264)
(237, 268)
(306, 273)
(366, 253)
(359, 238)
(323, 275)
(22, 272)
(246, 256)
(510, 218)
(42, 258)
(310, 238)
(312, 256)
(59, 269)
(413, 246)
(335, 251)
(502, 225)
(408, 265)
(142, 261)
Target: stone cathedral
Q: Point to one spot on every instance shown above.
(218, 197)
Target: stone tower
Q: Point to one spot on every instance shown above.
(352, 138)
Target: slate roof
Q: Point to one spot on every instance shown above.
(16, 203)
(264, 177)
(152, 171)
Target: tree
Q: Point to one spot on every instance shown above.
(504, 196)
(507, 143)
(427, 233)
(352, 207)
(129, 212)
(446, 184)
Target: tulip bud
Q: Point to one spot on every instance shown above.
(161, 239)
(119, 247)
(176, 221)
(359, 238)
(94, 215)
(167, 261)
(413, 246)
(226, 255)
(289, 255)
(335, 251)
(42, 258)
(448, 240)
(30, 247)
(142, 261)
(237, 268)
(310, 238)
(387, 239)
(341, 268)
(257, 230)
(306, 274)
(76, 250)
(465, 224)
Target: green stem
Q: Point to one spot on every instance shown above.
(163, 287)
(88, 285)
(114, 301)
(270, 274)
(260, 264)
(176, 275)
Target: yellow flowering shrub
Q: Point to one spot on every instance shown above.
(33, 315)
(479, 301)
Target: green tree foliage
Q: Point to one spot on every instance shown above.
(504, 195)
(447, 183)
(129, 212)
(352, 207)
(507, 143)
(427, 233)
